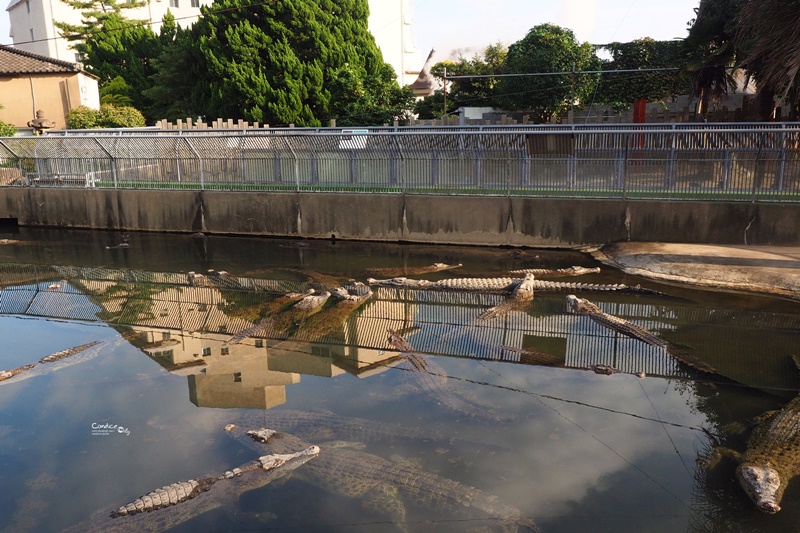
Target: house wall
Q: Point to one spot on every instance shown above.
(55, 94)
(391, 23)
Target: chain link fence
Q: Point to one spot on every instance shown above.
(727, 162)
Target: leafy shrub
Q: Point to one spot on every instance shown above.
(112, 116)
(83, 118)
(109, 116)
(7, 130)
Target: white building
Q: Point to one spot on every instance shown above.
(32, 29)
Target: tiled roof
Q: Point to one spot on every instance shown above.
(16, 61)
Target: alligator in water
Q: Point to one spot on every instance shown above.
(432, 378)
(414, 271)
(381, 484)
(520, 296)
(581, 306)
(54, 361)
(179, 502)
(500, 285)
(325, 426)
(557, 272)
(772, 457)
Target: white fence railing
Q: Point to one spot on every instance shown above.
(732, 162)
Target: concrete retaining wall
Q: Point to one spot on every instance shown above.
(536, 222)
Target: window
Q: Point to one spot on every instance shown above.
(173, 3)
(237, 377)
(206, 352)
(195, 3)
(224, 350)
(164, 335)
(259, 343)
(78, 58)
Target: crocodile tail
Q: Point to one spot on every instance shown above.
(520, 525)
(165, 496)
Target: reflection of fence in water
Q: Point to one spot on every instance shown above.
(442, 323)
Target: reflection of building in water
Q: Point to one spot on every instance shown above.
(219, 375)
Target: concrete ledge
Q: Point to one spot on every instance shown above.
(493, 221)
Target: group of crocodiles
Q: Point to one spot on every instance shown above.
(772, 457)
(771, 460)
(381, 485)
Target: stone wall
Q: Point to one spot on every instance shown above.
(494, 221)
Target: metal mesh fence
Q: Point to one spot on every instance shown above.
(674, 161)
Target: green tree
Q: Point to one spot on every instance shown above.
(546, 49)
(116, 92)
(272, 62)
(94, 14)
(174, 79)
(358, 100)
(6, 130)
(465, 92)
(621, 89)
(122, 56)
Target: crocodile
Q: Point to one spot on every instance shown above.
(520, 296)
(529, 356)
(772, 457)
(581, 306)
(381, 484)
(176, 503)
(53, 361)
(432, 378)
(557, 272)
(414, 271)
(501, 285)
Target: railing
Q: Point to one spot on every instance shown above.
(730, 162)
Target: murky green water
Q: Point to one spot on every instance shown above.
(571, 449)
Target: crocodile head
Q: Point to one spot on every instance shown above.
(763, 484)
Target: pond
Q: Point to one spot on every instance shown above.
(482, 422)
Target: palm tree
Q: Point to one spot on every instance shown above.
(768, 31)
(711, 50)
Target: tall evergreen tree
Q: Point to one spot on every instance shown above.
(276, 62)
(174, 79)
(123, 52)
(94, 14)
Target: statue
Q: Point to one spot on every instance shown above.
(39, 124)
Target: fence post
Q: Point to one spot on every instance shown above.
(199, 162)
(478, 162)
(672, 163)
(296, 164)
(781, 172)
(111, 159)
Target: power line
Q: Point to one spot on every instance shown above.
(565, 73)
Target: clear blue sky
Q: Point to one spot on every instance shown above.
(471, 25)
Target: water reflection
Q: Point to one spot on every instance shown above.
(578, 444)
